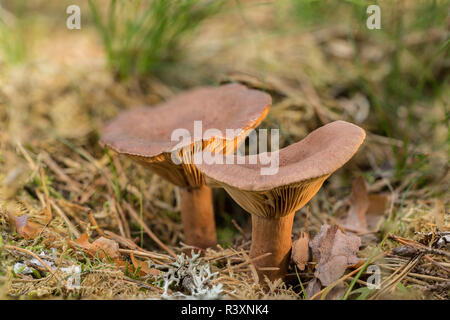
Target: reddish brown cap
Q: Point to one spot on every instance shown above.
(303, 167)
(144, 133)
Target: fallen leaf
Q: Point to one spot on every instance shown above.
(83, 241)
(144, 268)
(359, 203)
(27, 229)
(102, 247)
(300, 251)
(378, 204)
(366, 210)
(334, 251)
(337, 292)
(313, 287)
(358, 264)
(107, 246)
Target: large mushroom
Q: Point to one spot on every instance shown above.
(145, 135)
(272, 200)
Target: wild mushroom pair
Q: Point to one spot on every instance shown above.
(150, 136)
(272, 200)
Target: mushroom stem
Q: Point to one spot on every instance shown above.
(272, 235)
(197, 216)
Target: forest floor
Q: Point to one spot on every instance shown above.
(60, 190)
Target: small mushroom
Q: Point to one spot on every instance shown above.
(145, 135)
(272, 200)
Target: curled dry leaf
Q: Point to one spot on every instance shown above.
(313, 287)
(335, 293)
(107, 246)
(378, 203)
(365, 210)
(334, 251)
(300, 251)
(144, 267)
(102, 247)
(27, 229)
(359, 203)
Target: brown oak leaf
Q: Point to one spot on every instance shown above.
(359, 203)
(378, 203)
(135, 264)
(101, 248)
(365, 210)
(26, 228)
(334, 251)
(144, 267)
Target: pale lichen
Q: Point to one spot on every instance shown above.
(190, 278)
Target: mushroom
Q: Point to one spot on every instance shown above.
(272, 200)
(144, 134)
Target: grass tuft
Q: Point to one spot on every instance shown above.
(141, 36)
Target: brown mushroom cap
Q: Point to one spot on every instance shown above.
(303, 167)
(144, 133)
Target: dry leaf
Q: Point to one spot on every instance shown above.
(102, 247)
(27, 229)
(83, 241)
(313, 287)
(365, 210)
(359, 203)
(108, 246)
(337, 292)
(358, 264)
(334, 251)
(144, 268)
(378, 204)
(300, 251)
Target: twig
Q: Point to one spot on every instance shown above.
(147, 254)
(34, 255)
(150, 233)
(437, 286)
(71, 227)
(419, 246)
(48, 209)
(389, 285)
(31, 163)
(94, 222)
(126, 226)
(250, 261)
(268, 268)
(418, 275)
(143, 285)
(238, 227)
(117, 216)
(427, 257)
(252, 268)
(74, 185)
(122, 240)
